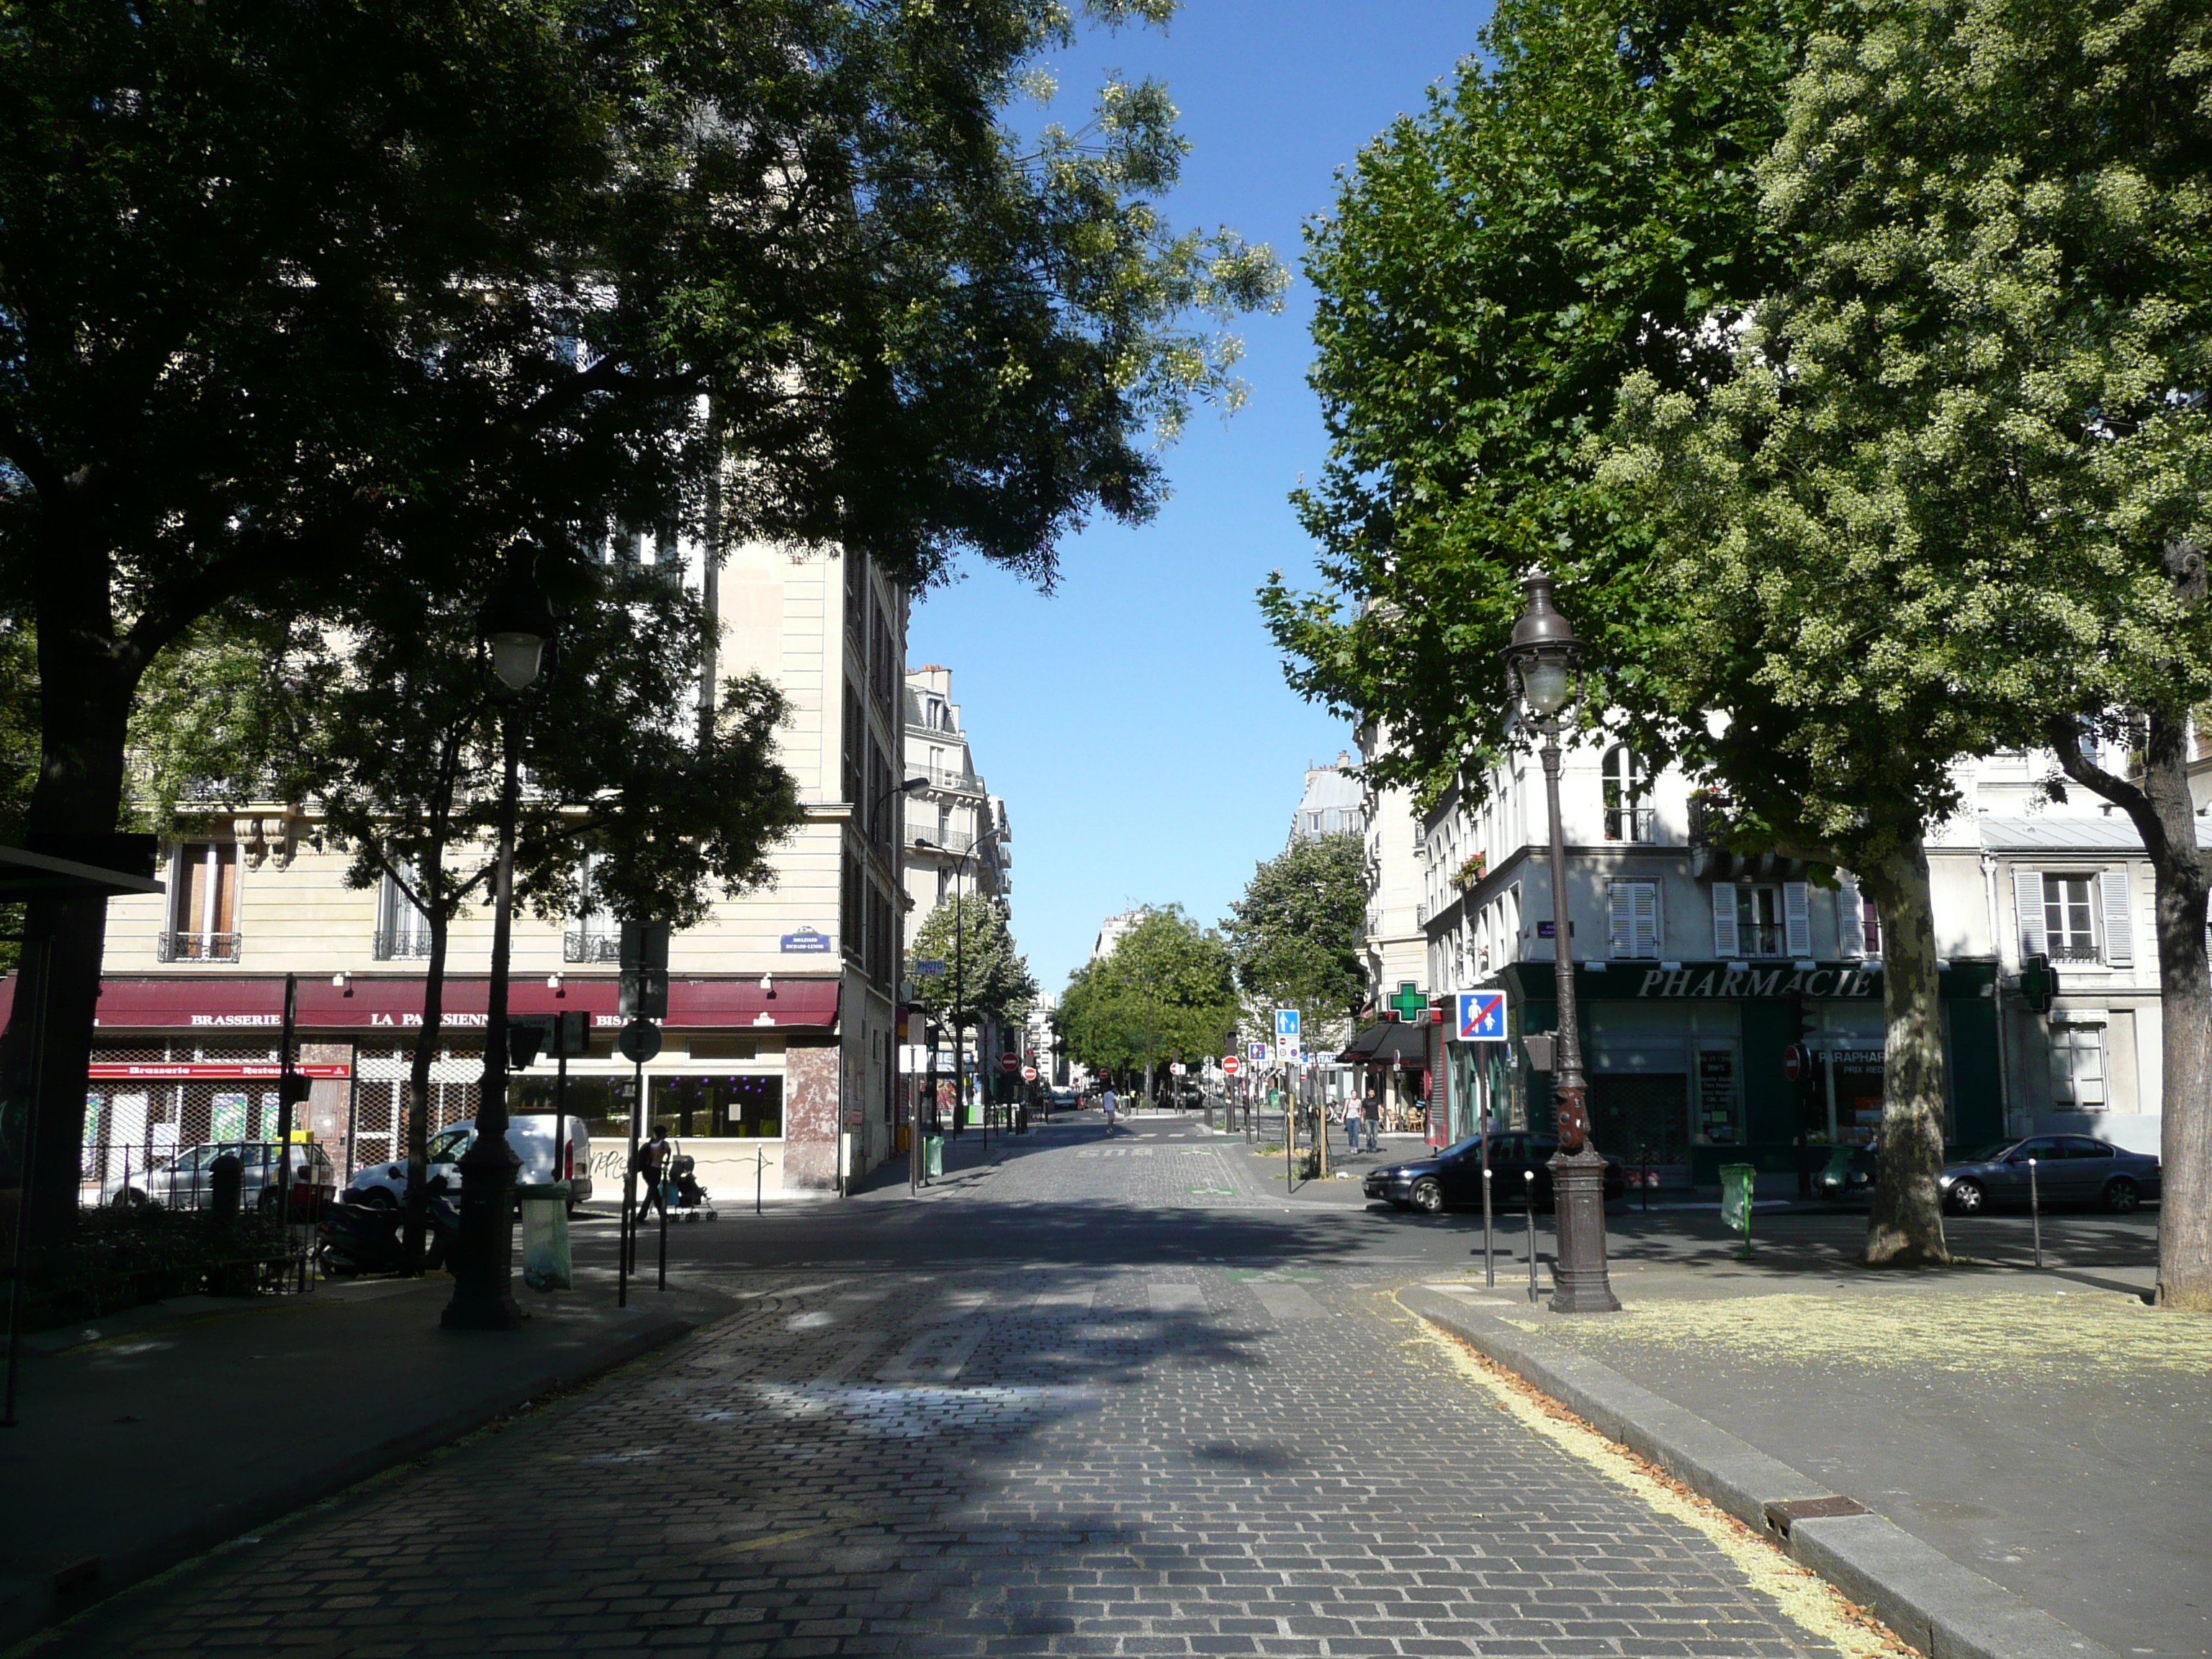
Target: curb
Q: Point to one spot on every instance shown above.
(1935, 1605)
(29, 1605)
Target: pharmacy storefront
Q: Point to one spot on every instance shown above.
(1691, 1065)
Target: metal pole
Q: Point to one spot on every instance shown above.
(483, 1257)
(627, 1238)
(38, 1068)
(1489, 1259)
(2035, 1212)
(284, 1108)
(1578, 1271)
(959, 992)
(561, 1168)
(662, 1282)
(1528, 1194)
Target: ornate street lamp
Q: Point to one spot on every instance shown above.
(1541, 666)
(513, 631)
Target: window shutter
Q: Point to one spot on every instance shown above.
(2119, 925)
(1621, 903)
(1724, 944)
(2027, 898)
(1644, 918)
(1850, 919)
(1797, 918)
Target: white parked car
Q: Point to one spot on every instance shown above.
(530, 1134)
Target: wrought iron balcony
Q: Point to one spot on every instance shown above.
(391, 946)
(1632, 823)
(591, 947)
(2077, 950)
(176, 946)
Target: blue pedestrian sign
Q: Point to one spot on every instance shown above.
(1286, 1022)
(1259, 1052)
(1482, 1016)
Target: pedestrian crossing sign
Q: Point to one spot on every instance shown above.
(1482, 1016)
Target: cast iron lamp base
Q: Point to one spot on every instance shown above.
(483, 1257)
(1579, 1274)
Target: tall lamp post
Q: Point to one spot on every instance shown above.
(514, 628)
(1541, 665)
(960, 975)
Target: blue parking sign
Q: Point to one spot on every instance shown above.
(1482, 1016)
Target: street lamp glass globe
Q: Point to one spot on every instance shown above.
(515, 658)
(1546, 684)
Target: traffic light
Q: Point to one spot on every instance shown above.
(644, 992)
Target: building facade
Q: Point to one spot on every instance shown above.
(1396, 947)
(1697, 972)
(779, 1060)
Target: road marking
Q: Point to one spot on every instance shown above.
(1288, 1302)
(1175, 1298)
(935, 1356)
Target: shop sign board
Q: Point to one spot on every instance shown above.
(1482, 1016)
(186, 1072)
(1697, 980)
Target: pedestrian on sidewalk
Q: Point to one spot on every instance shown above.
(652, 1158)
(1352, 1112)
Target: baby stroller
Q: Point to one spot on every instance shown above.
(682, 1192)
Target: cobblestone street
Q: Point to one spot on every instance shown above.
(1090, 1456)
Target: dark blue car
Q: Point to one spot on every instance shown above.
(2069, 1169)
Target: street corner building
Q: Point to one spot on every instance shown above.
(1731, 1006)
(779, 1065)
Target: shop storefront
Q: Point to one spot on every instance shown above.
(749, 1076)
(1688, 1064)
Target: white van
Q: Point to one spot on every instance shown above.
(531, 1134)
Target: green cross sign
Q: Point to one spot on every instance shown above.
(1409, 1003)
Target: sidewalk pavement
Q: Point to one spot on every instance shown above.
(149, 1438)
(2032, 1448)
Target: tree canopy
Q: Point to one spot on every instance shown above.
(993, 979)
(1167, 990)
(1298, 934)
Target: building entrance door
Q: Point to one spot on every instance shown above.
(1632, 1110)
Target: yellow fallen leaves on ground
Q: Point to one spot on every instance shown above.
(1921, 1331)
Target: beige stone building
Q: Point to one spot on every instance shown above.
(779, 1053)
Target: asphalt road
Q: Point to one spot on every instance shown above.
(1096, 1397)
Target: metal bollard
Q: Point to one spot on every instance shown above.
(225, 1191)
(1489, 1255)
(1529, 1191)
(2035, 1212)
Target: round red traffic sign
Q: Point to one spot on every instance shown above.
(1010, 1062)
(1028, 1074)
(1797, 1062)
(1229, 1065)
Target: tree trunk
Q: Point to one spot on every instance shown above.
(1905, 1229)
(86, 684)
(418, 1077)
(2163, 815)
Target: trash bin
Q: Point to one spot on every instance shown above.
(1737, 1181)
(933, 1156)
(545, 1264)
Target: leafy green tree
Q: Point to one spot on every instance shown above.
(387, 725)
(1953, 495)
(1166, 991)
(476, 274)
(985, 977)
(1298, 934)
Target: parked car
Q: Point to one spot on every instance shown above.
(1452, 1179)
(2069, 1169)
(186, 1182)
(530, 1133)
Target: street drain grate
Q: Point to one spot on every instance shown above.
(1781, 1516)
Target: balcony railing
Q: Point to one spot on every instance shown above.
(390, 945)
(944, 777)
(1761, 938)
(174, 946)
(1631, 823)
(2074, 950)
(591, 947)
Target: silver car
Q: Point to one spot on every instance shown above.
(186, 1182)
(2069, 1169)
(531, 1134)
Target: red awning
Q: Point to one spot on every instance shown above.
(213, 1002)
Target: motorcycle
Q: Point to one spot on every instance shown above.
(371, 1238)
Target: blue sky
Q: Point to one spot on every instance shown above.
(1137, 722)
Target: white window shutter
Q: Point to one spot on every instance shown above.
(2027, 898)
(1644, 918)
(2119, 924)
(1850, 919)
(1797, 918)
(1620, 904)
(1724, 945)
